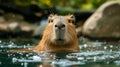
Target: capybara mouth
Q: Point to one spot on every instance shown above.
(60, 39)
(60, 34)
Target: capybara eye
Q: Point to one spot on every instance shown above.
(50, 21)
(69, 21)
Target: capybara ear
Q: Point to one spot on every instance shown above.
(71, 19)
(51, 17)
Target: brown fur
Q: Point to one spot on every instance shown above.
(70, 43)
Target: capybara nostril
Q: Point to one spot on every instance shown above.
(56, 26)
(60, 26)
(63, 25)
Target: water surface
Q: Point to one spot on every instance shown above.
(92, 54)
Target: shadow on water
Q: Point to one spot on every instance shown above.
(92, 54)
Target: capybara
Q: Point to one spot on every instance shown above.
(59, 35)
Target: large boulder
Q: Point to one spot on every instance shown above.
(105, 22)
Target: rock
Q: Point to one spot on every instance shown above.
(14, 27)
(105, 22)
(79, 31)
(2, 19)
(39, 30)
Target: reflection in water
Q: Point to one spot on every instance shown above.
(92, 54)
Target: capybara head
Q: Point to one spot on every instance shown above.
(63, 29)
(60, 34)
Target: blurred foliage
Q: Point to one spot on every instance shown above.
(68, 4)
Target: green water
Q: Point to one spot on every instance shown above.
(92, 54)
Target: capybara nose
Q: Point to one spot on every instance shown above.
(60, 26)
